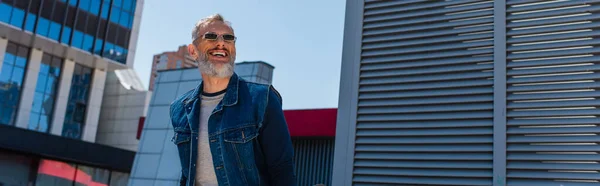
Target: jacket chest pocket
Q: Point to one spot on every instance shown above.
(181, 138)
(239, 148)
(241, 135)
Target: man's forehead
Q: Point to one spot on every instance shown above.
(217, 27)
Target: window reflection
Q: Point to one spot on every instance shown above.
(89, 176)
(30, 22)
(15, 170)
(17, 18)
(119, 179)
(77, 104)
(42, 26)
(54, 31)
(58, 173)
(80, 23)
(11, 80)
(77, 39)
(66, 35)
(55, 173)
(5, 12)
(45, 91)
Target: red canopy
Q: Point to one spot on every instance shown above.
(311, 122)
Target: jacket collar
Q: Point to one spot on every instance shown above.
(230, 98)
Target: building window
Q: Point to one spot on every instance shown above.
(119, 179)
(78, 101)
(14, 169)
(45, 94)
(46, 174)
(13, 12)
(58, 173)
(11, 80)
(178, 64)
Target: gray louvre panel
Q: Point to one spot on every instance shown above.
(403, 12)
(423, 148)
(528, 182)
(554, 166)
(431, 85)
(553, 148)
(371, 46)
(554, 45)
(556, 78)
(427, 101)
(553, 130)
(552, 91)
(563, 95)
(555, 30)
(554, 157)
(553, 21)
(424, 132)
(546, 6)
(554, 13)
(395, 30)
(314, 161)
(371, 179)
(425, 94)
(563, 112)
(421, 109)
(424, 140)
(428, 48)
(422, 172)
(427, 63)
(379, 3)
(563, 61)
(425, 124)
(585, 68)
(453, 32)
(428, 116)
(554, 175)
(554, 104)
(429, 70)
(426, 78)
(553, 121)
(551, 139)
(435, 55)
(424, 156)
(553, 37)
(560, 53)
(561, 86)
(425, 164)
(432, 19)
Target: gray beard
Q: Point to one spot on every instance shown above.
(208, 68)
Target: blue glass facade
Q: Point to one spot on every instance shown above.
(11, 81)
(78, 101)
(45, 93)
(102, 27)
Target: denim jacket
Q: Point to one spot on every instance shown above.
(248, 136)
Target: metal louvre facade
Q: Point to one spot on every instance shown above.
(313, 160)
(469, 92)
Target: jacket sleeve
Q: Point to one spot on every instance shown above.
(276, 143)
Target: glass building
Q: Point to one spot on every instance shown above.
(55, 56)
(102, 27)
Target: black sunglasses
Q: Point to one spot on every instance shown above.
(214, 36)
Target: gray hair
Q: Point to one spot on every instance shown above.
(205, 21)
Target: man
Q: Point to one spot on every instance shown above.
(229, 131)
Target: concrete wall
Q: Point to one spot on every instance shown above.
(123, 105)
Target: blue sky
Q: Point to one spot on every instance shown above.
(301, 38)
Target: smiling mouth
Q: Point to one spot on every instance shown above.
(218, 54)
